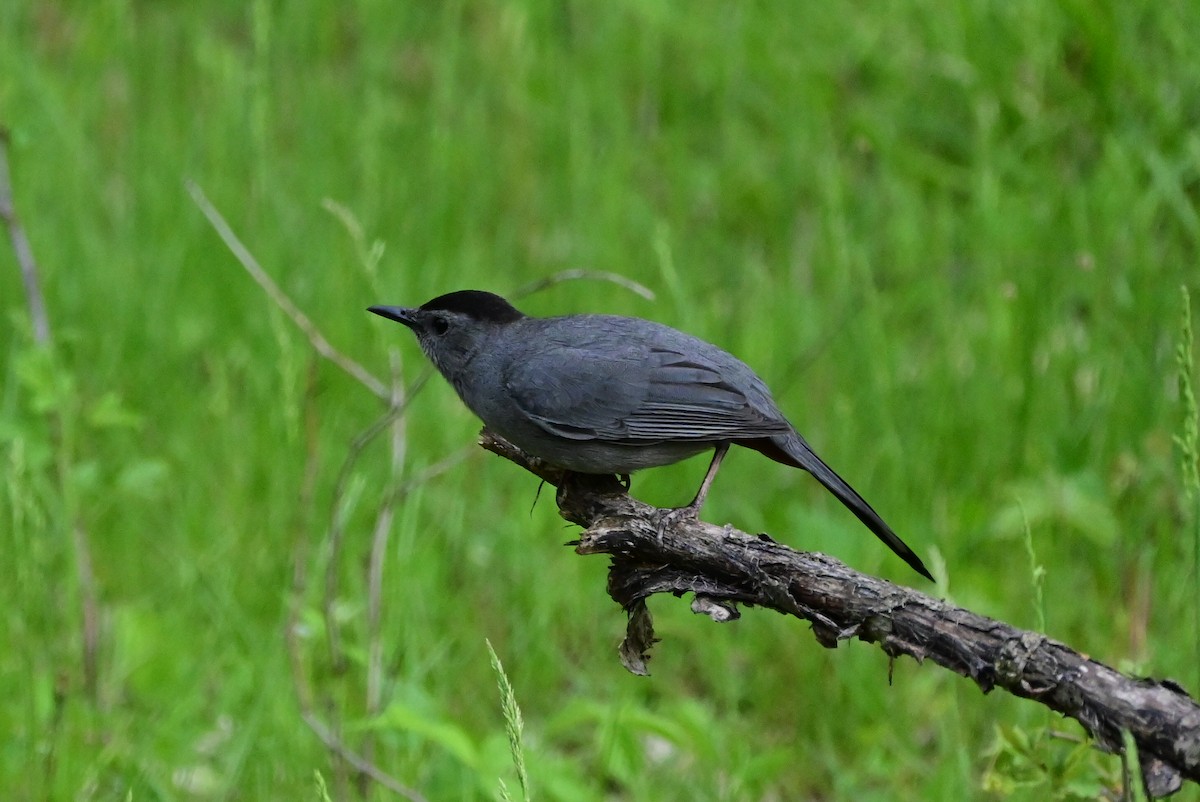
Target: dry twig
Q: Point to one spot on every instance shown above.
(22, 249)
(578, 274)
(281, 299)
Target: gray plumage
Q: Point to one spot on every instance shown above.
(609, 394)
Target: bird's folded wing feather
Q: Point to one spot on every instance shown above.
(636, 395)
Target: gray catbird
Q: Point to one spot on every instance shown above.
(607, 394)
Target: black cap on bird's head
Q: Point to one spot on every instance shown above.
(476, 305)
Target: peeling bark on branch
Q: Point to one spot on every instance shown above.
(723, 567)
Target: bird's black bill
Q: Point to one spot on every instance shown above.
(399, 314)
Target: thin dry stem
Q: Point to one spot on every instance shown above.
(24, 253)
(304, 692)
(356, 761)
(337, 527)
(281, 299)
(379, 544)
(90, 611)
(577, 274)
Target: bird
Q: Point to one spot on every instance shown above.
(607, 394)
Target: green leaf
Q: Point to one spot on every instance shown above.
(109, 412)
(445, 734)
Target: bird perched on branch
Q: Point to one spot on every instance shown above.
(603, 394)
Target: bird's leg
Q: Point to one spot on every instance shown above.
(693, 510)
(698, 502)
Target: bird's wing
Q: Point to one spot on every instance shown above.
(639, 394)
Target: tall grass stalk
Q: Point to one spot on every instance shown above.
(1188, 441)
(1037, 572)
(514, 725)
(1135, 786)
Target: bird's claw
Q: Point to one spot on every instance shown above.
(673, 516)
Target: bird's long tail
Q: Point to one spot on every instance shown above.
(792, 450)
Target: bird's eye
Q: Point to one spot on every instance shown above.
(439, 326)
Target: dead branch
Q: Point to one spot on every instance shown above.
(724, 568)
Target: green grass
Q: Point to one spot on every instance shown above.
(950, 235)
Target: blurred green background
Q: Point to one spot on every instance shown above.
(950, 235)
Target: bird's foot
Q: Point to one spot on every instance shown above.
(669, 518)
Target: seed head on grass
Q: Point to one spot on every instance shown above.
(514, 725)
(1188, 438)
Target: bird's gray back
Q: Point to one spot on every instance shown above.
(599, 389)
